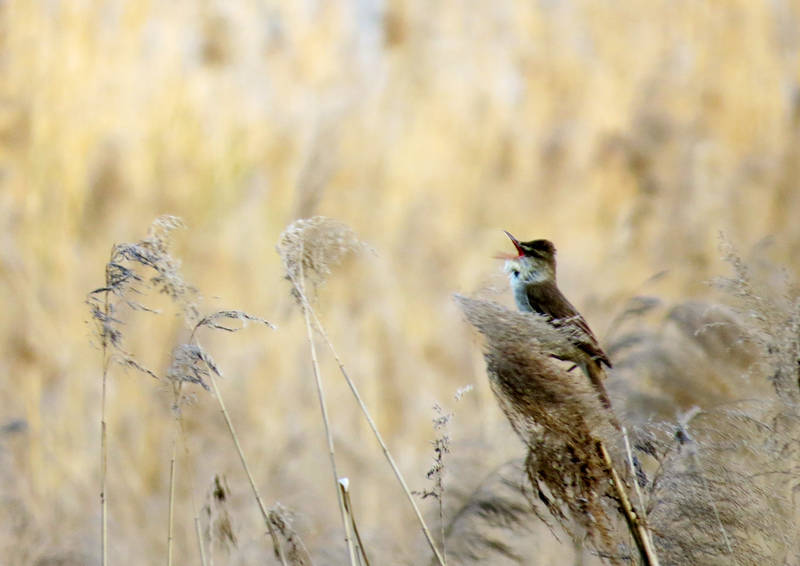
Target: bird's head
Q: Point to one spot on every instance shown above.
(535, 261)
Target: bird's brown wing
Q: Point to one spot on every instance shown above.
(546, 299)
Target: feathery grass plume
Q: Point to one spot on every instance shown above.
(191, 363)
(124, 280)
(311, 247)
(559, 417)
(722, 493)
(774, 316)
(281, 520)
(687, 354)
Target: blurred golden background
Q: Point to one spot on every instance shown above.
(629, 133)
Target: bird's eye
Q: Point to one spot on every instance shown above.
(515, 272)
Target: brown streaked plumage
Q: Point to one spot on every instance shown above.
(533, 279)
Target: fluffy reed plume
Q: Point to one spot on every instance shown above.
(559, 417)
(721, 488)
(774, 321)
(722, 492)
(131, 270)
(311, 247)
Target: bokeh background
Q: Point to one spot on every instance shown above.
(629, 133)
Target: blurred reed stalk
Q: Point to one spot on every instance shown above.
(103, 434)
(195, 515)
(311, 247)
(633, 518)
(324, 410)
(384, 448)
(344, 486)
(176, 392)
(171, 500)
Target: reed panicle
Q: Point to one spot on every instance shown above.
(566, 430)
(131, 271)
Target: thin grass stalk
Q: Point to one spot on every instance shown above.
(639, 532)
(276, 543)
(442, 527)
(195, 514)
(328, 434)
(387, 454)
(171, 499)
(104, 437)
(629, 454)
(103, 468)
(348, 504)
(199, 533)
(349, 517)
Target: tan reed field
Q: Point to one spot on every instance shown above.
(631, 134)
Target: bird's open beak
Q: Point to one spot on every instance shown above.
(516, 245)
(515, 242)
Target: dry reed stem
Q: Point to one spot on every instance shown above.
(192, 364)
(276, 543)
(196, 515)
(103, 432)
(103, 469)
(641, 535)
(324, 410)
(311, 247)
(632, 468)
(385, 449)
(171, 499)
(344, 486)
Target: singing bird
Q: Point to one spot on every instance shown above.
(532, 274)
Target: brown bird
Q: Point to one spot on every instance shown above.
(532, 274)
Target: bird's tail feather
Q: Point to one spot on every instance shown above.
(597, 375)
